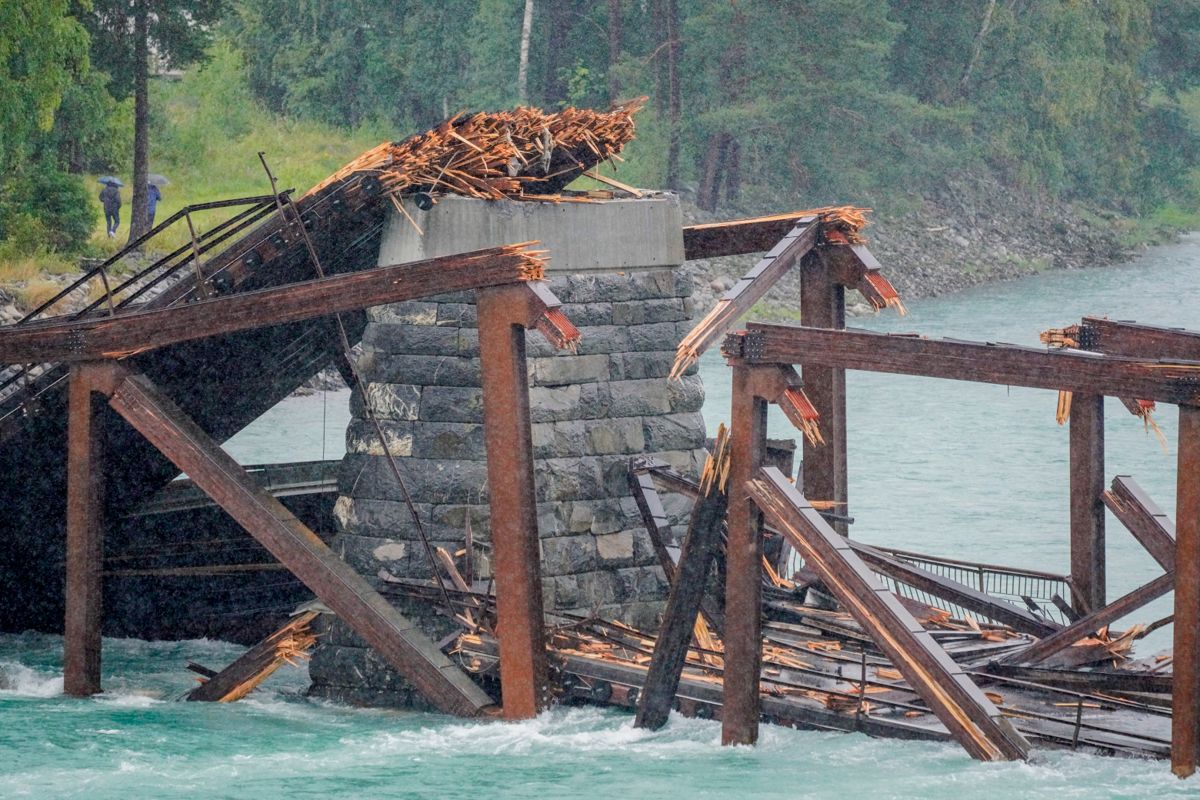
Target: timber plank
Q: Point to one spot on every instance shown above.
(1011, 365)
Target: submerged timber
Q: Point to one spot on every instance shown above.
(772, 614)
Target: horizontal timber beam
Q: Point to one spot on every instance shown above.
(1004, 364)
(1133, 339)
(125, 334)
(740, 236)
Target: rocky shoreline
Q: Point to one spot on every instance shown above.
(972, 231)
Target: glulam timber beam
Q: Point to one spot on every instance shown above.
(688, 584)
(1185, 697)
(335, 582)
(127, 333)
(823, 305)
(1086, 479)
(752, 389)
(950, 693)
(1088, 625)
(740, 236)
(87, 384)
(505, 313)
(1003, 364)
(1153, 529)
(1121, 338)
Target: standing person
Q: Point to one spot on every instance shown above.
(153, 195)
(110, 196)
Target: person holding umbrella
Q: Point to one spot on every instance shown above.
(110, 197)
(153, 195)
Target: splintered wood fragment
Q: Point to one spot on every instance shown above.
(288, 645)
(613, 182)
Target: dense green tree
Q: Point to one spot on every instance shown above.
(43, 50)
(124, 34)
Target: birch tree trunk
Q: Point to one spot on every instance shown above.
(523, 68)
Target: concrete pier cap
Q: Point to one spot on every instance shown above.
(643, 233)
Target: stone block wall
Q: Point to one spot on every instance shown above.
(591, 411)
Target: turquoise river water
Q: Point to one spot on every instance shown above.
(950, 468)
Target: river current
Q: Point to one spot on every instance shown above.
(949, 468)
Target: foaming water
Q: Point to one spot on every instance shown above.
(952, 468)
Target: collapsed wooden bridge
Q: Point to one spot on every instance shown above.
(169, 363)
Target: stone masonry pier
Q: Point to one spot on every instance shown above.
(591, 411)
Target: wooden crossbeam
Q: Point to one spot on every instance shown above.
(1153, 529)
(965, 711)
(1120, 338)
(1004, 364)
(335, 582)
(127, 333)
(740, 236)
(787, 253)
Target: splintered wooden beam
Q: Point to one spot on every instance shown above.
(745, 293)
(950, 693)
(1088, 625)
(740, 236)
(291, 642)
(1153, 529)
(336, 583)
(1119, 338)
(687, 591)
(1004, 364)
(127, 333)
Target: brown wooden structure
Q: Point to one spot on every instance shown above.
(1135, 369)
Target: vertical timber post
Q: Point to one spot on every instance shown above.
(743, 562)
(85, 535)
(1185, 697)
(822, 305)
(1087, 504)
(503, 313)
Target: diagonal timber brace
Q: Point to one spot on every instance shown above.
(965, 711)
(337, 584)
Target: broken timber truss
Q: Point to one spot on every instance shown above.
(511, 301)
(1135, 369)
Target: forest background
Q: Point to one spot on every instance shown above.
(1084, 110)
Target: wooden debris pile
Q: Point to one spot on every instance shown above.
(525, 153)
